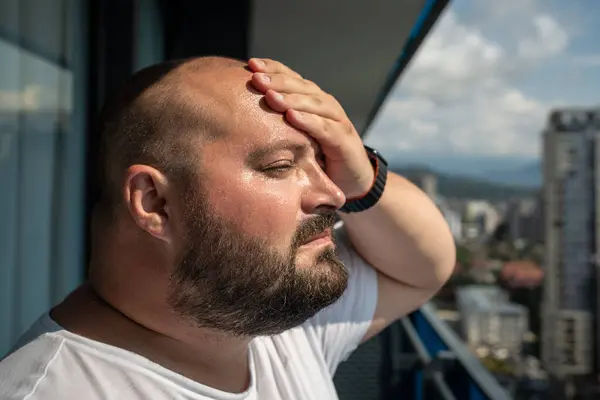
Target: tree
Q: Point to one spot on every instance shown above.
(464, 256)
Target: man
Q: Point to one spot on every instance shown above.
(214, 271)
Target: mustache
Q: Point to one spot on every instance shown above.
(313, 226)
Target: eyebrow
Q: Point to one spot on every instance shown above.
(262, 152)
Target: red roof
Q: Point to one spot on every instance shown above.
(522, 274)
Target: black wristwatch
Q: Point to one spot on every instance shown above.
(372, 196)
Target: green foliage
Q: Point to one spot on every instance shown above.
(508, 251)
(497, 366)
(463, 255)
(461, 279)
(503, 251)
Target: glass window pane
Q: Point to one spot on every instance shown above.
(36, 114)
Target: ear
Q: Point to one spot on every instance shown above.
(146, 193)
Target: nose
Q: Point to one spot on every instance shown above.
(322, 192)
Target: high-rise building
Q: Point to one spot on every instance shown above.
(571, 153)
(525, 219)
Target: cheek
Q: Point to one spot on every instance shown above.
(258, 207)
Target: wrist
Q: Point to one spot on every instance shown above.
(369, 196)
(366, 183)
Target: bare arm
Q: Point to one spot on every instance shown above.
(406, 239)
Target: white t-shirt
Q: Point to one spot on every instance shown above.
(52, 363)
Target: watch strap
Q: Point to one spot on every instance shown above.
(370, 198)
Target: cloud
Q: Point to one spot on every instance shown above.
(453, 61)
(461, 93)
(550, 39)
(507, 123)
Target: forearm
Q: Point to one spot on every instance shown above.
(404, 236)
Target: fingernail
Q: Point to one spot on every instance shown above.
(278, 96)
(264, 78)
(260, 63)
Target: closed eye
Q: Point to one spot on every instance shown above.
(278, 169)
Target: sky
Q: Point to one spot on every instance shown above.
(486, 76)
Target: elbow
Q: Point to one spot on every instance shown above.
(441, 259)
(437, 247)
(446, 265)
(447, 257)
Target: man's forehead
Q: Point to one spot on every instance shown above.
(225, 94)
(263, 130)
(239, 108)
(213, 83)
(240, 112)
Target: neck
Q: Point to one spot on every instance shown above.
(212, 358)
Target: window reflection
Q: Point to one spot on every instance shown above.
(36, 106)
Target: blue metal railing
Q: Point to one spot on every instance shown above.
(445, 368)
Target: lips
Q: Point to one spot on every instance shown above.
(325, 234)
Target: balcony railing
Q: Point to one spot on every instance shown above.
(419, 358)
(445, 368)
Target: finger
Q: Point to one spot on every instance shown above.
(323, 130)
(323, 106)
(283, 84)
(271, 66)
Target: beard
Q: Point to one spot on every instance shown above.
(234, 283)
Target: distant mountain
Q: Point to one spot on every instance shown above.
(461, 187)
(459, 164)
(528, 175)
(507, 170)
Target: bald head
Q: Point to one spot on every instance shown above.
(156, 115)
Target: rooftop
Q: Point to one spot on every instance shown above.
(487, 299)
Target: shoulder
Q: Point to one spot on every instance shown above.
(26, 368)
